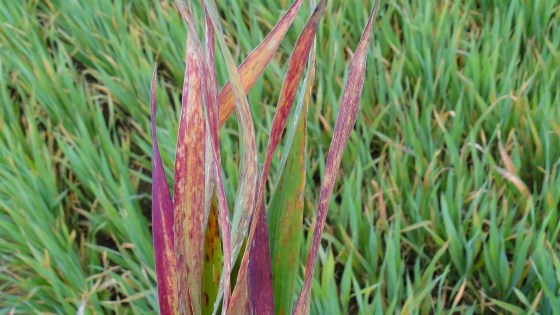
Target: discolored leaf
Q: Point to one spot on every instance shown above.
(212, 116)
(248, 171)
(344, 125)
(261, 294)
(257, 256)
(190, 178)
(213, 259)
(162, 223)
(253, 66)
(286, 207)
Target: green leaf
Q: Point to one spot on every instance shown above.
(286, 208)
(213, 259)
(508, 307)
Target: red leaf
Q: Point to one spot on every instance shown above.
(212, 110)
(253, 66)
(257, 256)
(162, 223)
(344, 125)
(190, 178)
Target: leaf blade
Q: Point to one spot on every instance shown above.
(162, 222)
(286, 206)
(212, 111)
(213, 259)
(253, 66)
(344, 125)
(190, 178)
(261, 294)
(248, 177)
(255, 270)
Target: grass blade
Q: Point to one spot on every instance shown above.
(248, 166)
(286, 207)
(257, 256)
(253, 66)
(162, 223)
(245, 201)
(344, 125)
(190, 178)
(297, 62)
(213, 259)
(212, 111)
(261, 294)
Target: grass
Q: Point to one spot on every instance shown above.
(449, 194)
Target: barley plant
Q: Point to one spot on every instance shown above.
(196, 243)
(447, 196)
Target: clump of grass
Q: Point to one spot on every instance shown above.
(186, 251)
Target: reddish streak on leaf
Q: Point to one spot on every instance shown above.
(344, 125)
(248, 172)
(162, 223)
(240, 299)
(261, 293)
(190, 178)
(257, 256)
(212, 110)
(253, 66)
(297, 63)
(286, 206)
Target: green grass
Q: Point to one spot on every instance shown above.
(449, 194)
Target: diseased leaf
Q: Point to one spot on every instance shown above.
(213, 259)
(248, 171)
(344, 125)
(198, 172)
(253, 66)
(257, 256)
(212, 116)
(245, 201)
(239, 304)
(286, 207)
(288, 93)
(261, 294)
(162, 223)
(190, 178)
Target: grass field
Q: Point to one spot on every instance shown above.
(448, 199)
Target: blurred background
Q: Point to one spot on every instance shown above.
(448, 196)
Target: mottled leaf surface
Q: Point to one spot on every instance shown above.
(257, 257)
(190, 178)
(248, 171)
(212, 116)
(213, 259)
(286, 207)
(253, 66)
(344, 125)
(162, 223)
